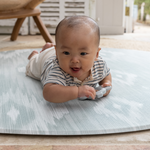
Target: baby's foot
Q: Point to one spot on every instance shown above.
(32, 54)
(47, 45)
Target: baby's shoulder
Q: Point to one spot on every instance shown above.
(99, 61)
(56, 67)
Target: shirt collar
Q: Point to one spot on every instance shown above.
(89, 78)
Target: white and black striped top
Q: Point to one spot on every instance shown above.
(52, 73)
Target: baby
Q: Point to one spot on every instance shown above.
(72, 68)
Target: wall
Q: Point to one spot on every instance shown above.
(109, 16)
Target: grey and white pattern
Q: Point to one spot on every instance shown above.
(127, 108)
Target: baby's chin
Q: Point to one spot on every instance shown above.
(78, 73)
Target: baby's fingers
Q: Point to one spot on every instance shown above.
(105, 85)
(86, 91)
(106, 93)
(91, 93)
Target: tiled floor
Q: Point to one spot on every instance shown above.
(77, 147)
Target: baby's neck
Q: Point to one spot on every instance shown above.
(84, 76)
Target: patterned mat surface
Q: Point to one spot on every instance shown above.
(127, 108)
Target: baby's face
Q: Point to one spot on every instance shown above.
(76, 50)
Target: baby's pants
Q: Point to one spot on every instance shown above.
(35, 65)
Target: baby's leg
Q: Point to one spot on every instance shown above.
(46, 46)
(32, 68)
(36, 61)
(32, 54)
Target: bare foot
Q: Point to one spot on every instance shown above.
(47, 45)
(32, 54)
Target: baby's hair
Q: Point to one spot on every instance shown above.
(77, 21)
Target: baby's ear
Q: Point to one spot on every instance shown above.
(55, 50)
(97, 54)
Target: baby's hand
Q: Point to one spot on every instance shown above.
(104, 85)
(86, 91)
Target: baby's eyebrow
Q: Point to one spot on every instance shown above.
(64, 47)
(83, 48)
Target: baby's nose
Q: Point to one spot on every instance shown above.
(75, 60)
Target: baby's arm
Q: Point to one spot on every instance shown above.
(107, 81)
(58, 93)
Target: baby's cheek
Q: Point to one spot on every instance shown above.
(89, 65)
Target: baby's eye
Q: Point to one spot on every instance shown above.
(83, 53)
(66, 53)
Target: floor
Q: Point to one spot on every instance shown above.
(125, 141)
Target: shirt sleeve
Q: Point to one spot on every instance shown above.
(53, 75)
(100, 69)
(106, 70)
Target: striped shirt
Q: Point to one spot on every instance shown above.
(52, 73)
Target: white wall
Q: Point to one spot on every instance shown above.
(110, 16)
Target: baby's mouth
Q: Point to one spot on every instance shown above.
(75, 69)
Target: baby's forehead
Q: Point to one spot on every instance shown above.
(84, 24)
(84, 28)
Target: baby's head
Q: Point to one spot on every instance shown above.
(78, 22)
(77, 45)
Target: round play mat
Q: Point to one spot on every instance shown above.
(127, 108)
